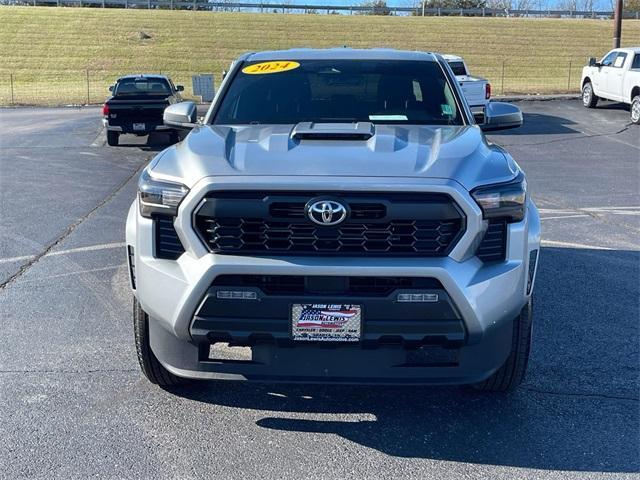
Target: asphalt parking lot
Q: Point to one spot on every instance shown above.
(73, 403)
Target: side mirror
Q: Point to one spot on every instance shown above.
(182, 115)
(501, 116)
(179, 88)
(593, 62)
(111, 87)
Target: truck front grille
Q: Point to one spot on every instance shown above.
(384, 224)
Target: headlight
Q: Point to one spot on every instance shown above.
(503, 200)
(159, 196)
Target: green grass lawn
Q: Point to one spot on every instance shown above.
(49, 50)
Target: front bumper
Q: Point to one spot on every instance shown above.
(486, 298)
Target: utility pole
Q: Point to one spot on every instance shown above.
(423, 5)
(617, 24)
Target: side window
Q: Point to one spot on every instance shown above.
(458, 68)
(608, 60)
(619, 61)
(636, 62)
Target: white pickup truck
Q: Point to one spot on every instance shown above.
(616, 77)
(476, 90)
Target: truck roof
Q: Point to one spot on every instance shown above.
(340, 54)
(627, 49)
(144, 75)
(452, 58)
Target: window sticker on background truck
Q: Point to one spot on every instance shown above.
(326, 322)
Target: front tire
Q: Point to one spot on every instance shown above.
(589, 99)
(149, 363)
(635, 110)
(512, 373)
(112, 138)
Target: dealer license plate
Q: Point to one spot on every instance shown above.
(326, 322)
(139, 127)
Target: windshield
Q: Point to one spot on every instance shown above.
(382, 92)
(142, 86)
(458, 68)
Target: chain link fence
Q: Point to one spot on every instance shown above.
(70, 87)
(86, 87)
(347, 8)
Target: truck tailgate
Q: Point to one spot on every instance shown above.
(473, 89)
(136, 110)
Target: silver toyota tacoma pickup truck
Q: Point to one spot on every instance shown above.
(337, 216)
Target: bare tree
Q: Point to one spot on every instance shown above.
(499, 4)
(586, 5)
(515, 4)
(376, 7)
(571, 5)
(631, 6)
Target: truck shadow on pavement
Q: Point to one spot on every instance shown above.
(154, 142)
(540, 124)
(578, 409)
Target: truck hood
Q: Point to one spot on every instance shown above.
(459, 153)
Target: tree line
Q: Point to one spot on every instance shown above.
(380, 7)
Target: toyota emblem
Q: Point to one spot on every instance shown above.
(326, 212)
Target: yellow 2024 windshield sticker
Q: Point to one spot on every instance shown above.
(270, 67)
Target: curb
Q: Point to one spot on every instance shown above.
(537, 98)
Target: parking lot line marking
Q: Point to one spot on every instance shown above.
(590, 209)
(555, 243)
(595, 212)
(90, 248)
(565, 216)
(75, 272)
(68, 231)
(16, 259)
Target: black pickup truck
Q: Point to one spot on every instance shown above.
(136, 106)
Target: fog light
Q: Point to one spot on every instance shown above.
(236, 295)
(417, 297)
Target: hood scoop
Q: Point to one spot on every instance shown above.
(333, 131)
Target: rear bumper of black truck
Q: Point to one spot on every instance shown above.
(128, 127)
